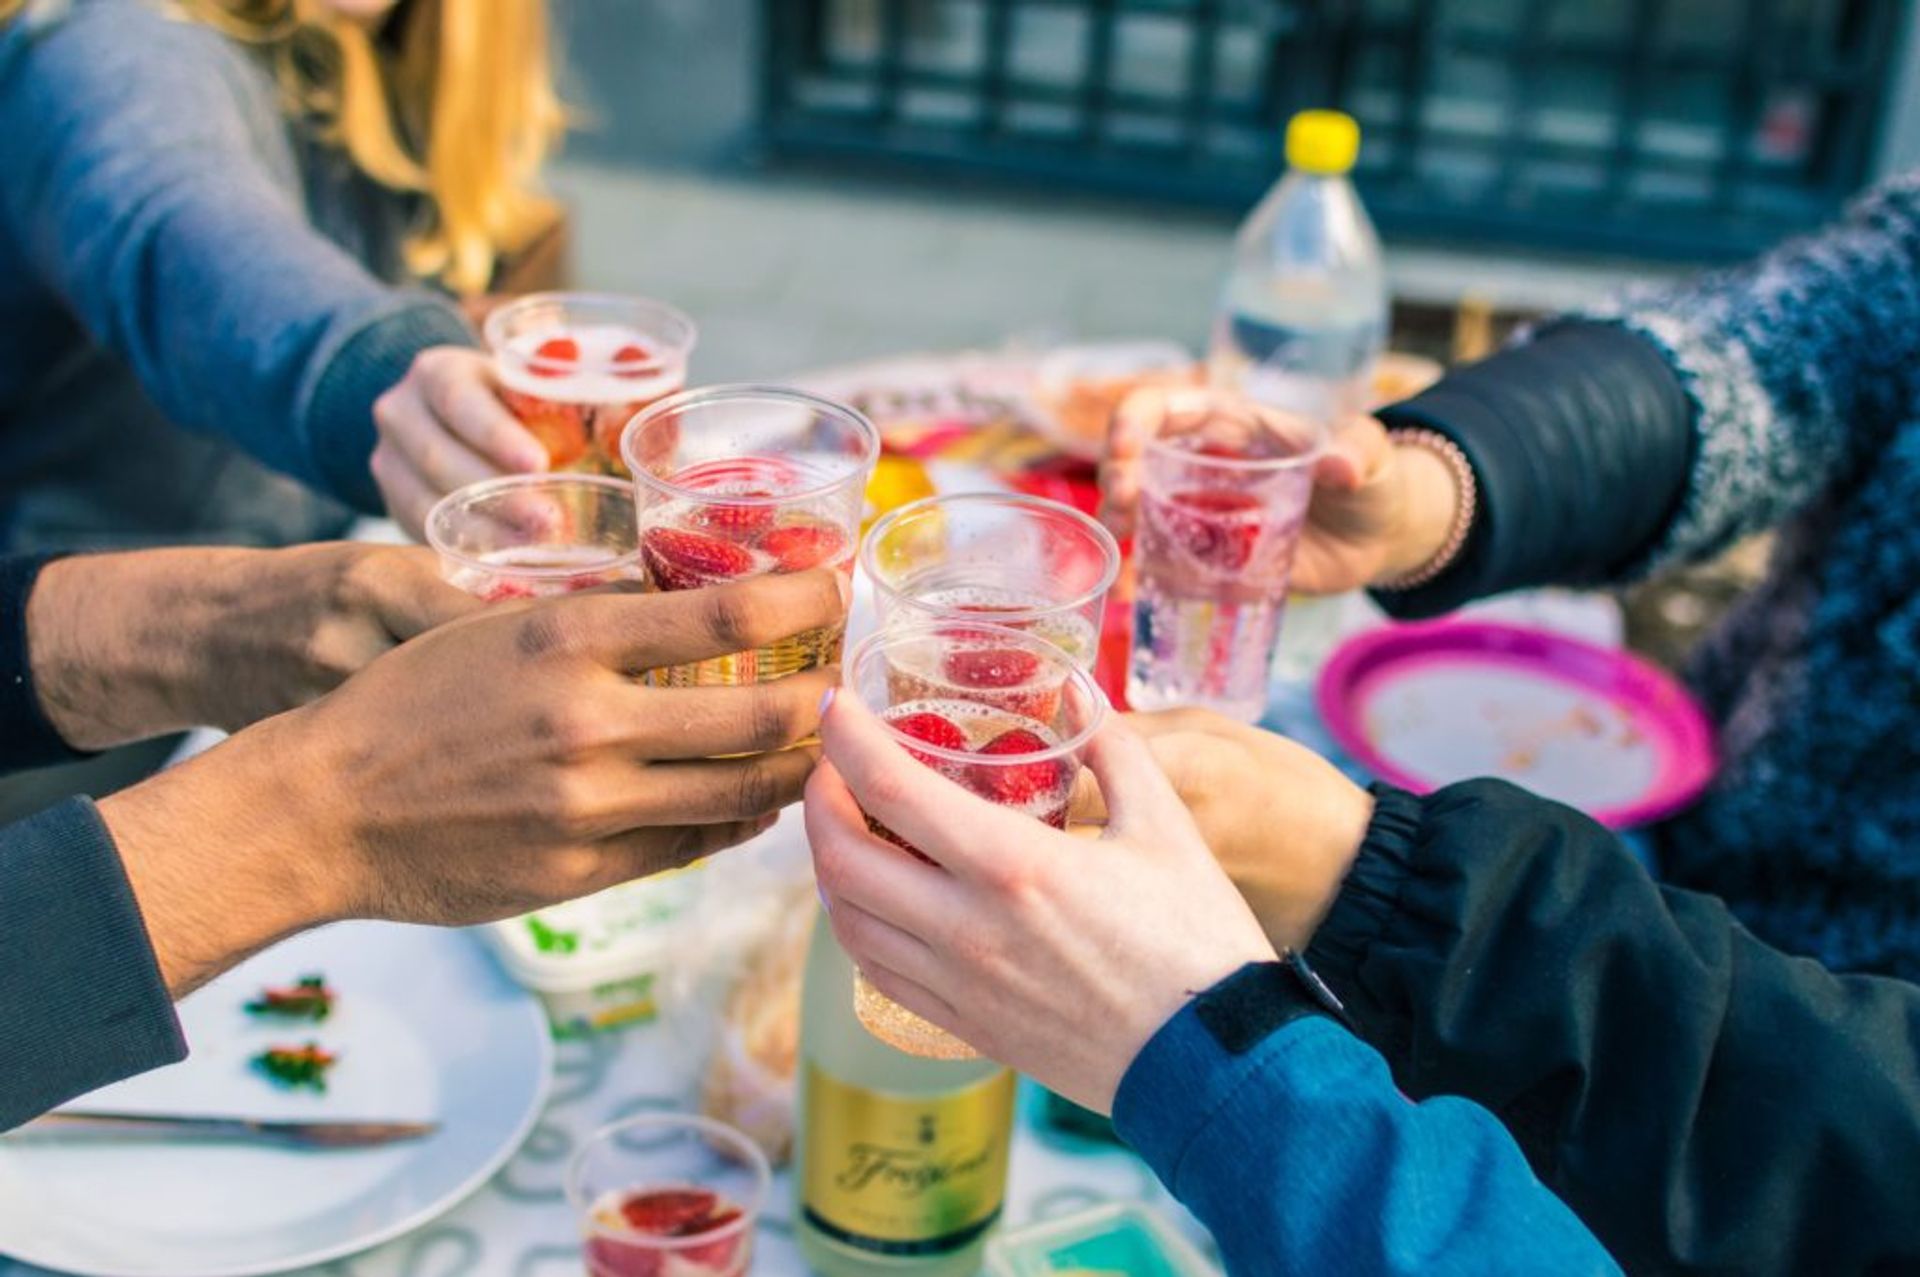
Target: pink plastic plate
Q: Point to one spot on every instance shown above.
(1422, 706)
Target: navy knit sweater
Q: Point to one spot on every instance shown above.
(1783, 394)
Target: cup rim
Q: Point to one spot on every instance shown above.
(1097, 699)
(730, 391)
(1317, 448)
(492, 329)
(489, 487)
(732, 1136)
(869, 549)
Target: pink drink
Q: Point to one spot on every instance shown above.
(668, 1195)
(994, 710)
(575, 368)
(672, 1231)
(734, 482)
(535, 536)
(1221, 509)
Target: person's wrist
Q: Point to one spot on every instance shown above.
(229, 852)
(1429, 506)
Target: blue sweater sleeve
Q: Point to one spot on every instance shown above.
(1300, 1156)
(151, 185)
(82, 1002)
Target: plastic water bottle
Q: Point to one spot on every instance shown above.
(1304, 316)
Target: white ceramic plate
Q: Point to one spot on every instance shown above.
(428, 1029)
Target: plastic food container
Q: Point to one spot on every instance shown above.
(1121, 1239)
(599, 963)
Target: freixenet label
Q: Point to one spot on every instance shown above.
(905, 1175)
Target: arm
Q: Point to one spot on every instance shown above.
(1704, 1102)
(1671, 422)
(1116, 972)
(562, 779)
(1300, 1146)
(151, 187)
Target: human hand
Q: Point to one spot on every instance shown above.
(442, 427)
(1378, 511)
(1056, 954)
(126, 646)
(1282, 821)
(491, 766)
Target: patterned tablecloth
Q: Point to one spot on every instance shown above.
(519, 1225)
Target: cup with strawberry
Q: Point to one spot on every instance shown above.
(999, 711)
(733, 482)
(534, 536)
(575, 368)
(668, 1195)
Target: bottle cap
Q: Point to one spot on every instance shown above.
(1323, 142)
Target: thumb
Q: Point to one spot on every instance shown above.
(414, 599)
(1356, 451)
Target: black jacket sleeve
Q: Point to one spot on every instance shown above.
(1581, 444)
(27, 739)
(1706, 1104)
(82, 1002)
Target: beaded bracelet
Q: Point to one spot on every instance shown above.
(1437, 444)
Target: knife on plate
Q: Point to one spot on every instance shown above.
(88, 1123)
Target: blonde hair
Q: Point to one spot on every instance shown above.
(457, 106)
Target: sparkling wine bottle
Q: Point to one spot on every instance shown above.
(902, 1162)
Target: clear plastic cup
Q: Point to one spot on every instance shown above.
(732, 482)
(1222, 504)
(1023, 562)
(636, 1182)
(536, 535)
(982, 683)
(575, 367)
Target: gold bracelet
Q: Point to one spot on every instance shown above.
(1438, 445)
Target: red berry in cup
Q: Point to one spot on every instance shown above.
(934, 730)
(552, 351)
(678, 559)
(1217, 526)
(990, 667)
(736, 520)
(1018, 784)
(631, 361)
(799, 546)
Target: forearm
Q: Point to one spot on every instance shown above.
(226, 854)
(1499, 947)
(1302, 1148)
(1580, 445)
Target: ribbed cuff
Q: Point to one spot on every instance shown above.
(1581, 443)
(339, 426)
(1183, 1079)
(27, 737)
(84, 1001)
(1370, 897)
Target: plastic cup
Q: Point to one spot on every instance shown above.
(985, 681)
(668, 1154)
(575, 367)
(1222, 504)
(1019, 561)
(534, 536)
(732, 482)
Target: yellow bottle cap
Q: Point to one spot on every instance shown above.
(1324, 142)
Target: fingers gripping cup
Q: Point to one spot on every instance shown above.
(999, 711)
(732, 482)
(668, 1193)
(1022, 562)
(1223, 499)
(534, 536)
(575, 367)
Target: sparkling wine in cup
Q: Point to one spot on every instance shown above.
(1222, 503)
(734, 482)
(1018, 561)
(575, 368)
(1000, 711)
(668, 1195)
(537, 535)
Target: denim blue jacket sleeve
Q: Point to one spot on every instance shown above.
(151, 185)
(1300, 1156)
(82, 1002)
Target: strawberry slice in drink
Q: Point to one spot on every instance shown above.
(632, 360)
(795, 547)
(552, 357)
(1011, 676)
(1219, 527)
(937, 730)
(658, 1220)
(681, 559)
(1025, 784)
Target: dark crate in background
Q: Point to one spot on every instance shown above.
(1675, 128)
